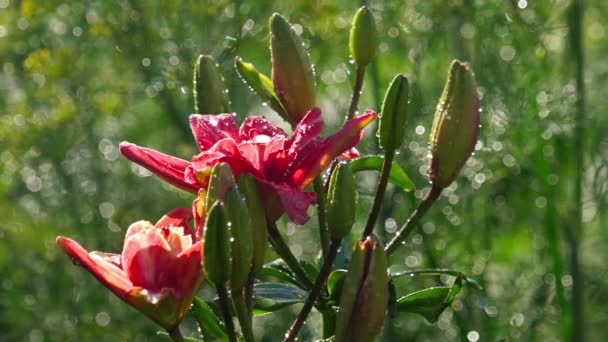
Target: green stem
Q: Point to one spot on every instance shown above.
(373, 214)
(279, 245)
(293, 331)
(329, 323)
(354, 100)
(249, 290)
(573, 230)
(175, 334)
(242, 312)
(222, 293)
(411, 222)
(323, 231)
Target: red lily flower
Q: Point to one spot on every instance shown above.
(283, 166)
(158, 271)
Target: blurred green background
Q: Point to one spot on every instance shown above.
(527, 217)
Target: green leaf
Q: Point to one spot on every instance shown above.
(397, 175)
(430, 302)
(438, 271)
(211, 327)
(335, 283)
(268, 271)
(269, 297)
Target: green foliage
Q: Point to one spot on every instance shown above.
(76, 78)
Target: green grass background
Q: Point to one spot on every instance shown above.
(527, 217)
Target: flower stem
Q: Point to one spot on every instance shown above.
(225, 306)
(293, 331)
(242, 312)
(323, 231)
(411, 222)
(354, 100)
(329, 323)
(175, 334)
(284, 252)
(249, 290)
(373, 214)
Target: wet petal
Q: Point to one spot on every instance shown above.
(308, 166)
(224, 151)
(209, 129)
(292, 201)
(176, 218)
(168, 168)
(308, 130)
(106, 272)
(255, 125)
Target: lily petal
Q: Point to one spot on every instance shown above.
(255, 125)
(308, 166)
(106, 272)
(293, 202)
(169, 168)
(209, 129)
(176, 218)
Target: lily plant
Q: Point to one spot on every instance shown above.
(245, 178)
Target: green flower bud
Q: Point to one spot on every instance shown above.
(364, 298)
(240, 236)
(216, 245)
(341, 201)
(455, 126)
(393, 116)
(292, 73)
(261, 85)
(220, 182)
(210, 94)
(257, 216)
(363, 39)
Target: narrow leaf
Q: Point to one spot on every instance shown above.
(430, 302)
(397, 175)
(211, 327)
(335, 283)
(269, 297)
(267, 272)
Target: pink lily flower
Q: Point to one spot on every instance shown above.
(283, 166)
(158, 271)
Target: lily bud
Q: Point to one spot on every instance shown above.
(257, 217)
(292, 73)
(341, 201)
(261, 85)
(216, 245)
(364, 298)
(210, 95)
(363, 39)
(393, 117)
(455, 126)
(220, 182)
(240, 233)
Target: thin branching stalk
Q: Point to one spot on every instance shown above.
(375, 211)
(354, 100)
(323, 231)
(175, 334)
(411, 222)
(242, 312)
(293, 331)
(222, 293)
